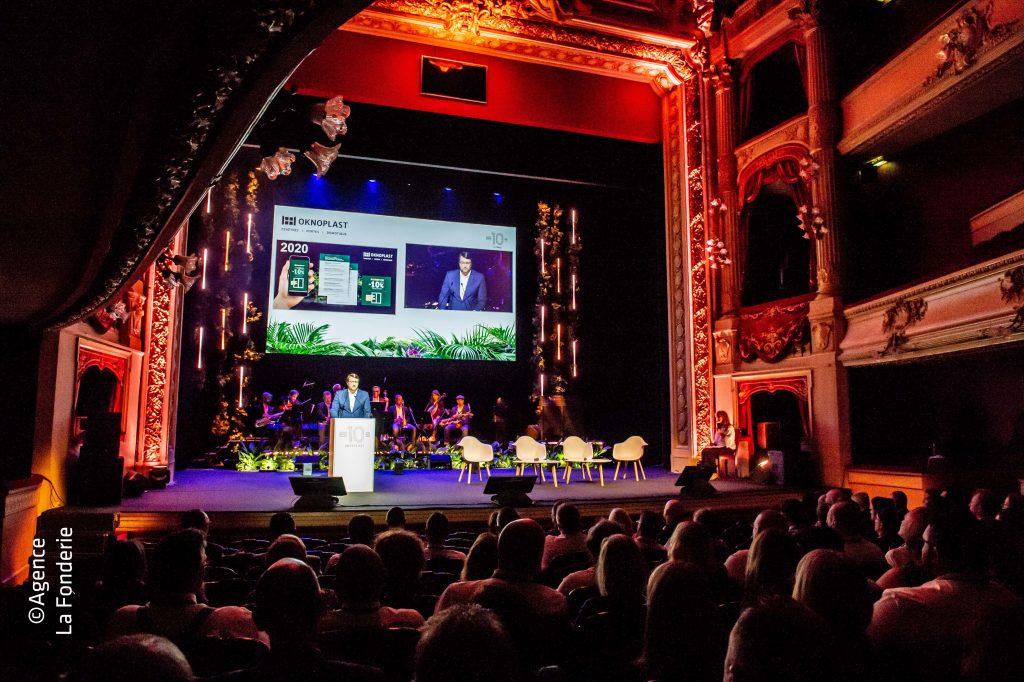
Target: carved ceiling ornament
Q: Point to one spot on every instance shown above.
(901, 316)
(1011, 290)
(516, 28)
(972, 34)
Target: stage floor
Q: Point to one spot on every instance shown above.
(222, 490)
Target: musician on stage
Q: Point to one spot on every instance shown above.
(403, 422)
(457, 420)
(351, 403)
(265, 414)
(376, 397)
(724, 442)
(435, 413)
(323, 417)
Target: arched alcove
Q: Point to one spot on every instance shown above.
(778, 257)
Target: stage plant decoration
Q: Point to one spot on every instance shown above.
(556, 349)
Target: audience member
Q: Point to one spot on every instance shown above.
(680, 600)
(173, 611)
(736, 564)
(287, 609)
(771, 566)
(570, 539)
(466, 643)
(621, 517)
(887, 527)
(845, 518)
(833, 587)
(506, 515)
(361, 530)
(401, 552)
(959, 625)
(906, 563)
(587, 577)
(395, 519)
(359, 585)
(198, 519)
(780, 640)
(985, 505)
(648, 537)
(520, 547)
(126, 658)
(122, 583)
(482, 559)
(899, 500)
(281, 523)
(673, 514)
(437, 533)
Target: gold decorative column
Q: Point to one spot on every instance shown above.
(728, 220)
(822, 125)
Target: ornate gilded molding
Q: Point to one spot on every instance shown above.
(1011, 289)
(971, 36)
(790, 132)
(677, 243)
(514, 32)
(154, 451)
(897, 319)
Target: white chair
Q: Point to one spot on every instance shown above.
(475, 452)
(629, 450)
(578, 451)
(530, 453)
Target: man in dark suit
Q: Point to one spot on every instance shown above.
(463, 289)
(403, 422)
(351, 403)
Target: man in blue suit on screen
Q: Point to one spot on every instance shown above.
(463, 289)
(351, 403)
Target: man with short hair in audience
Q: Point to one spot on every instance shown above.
(845, 518)
(436, 531)
(395, 519)
(736, 564)
(520, 547)
(361, 530)
(173, 611)
(673, 514)
(648, 533)
(359, 586)
(570, 538)
(125, 658)
(287, 609)
(506, 515)
(960, 625)
(402, 555)
(198, 519)
(281, 523)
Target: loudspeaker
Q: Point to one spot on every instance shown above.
(317, 492)
(103, 433)
(695, 481)
(510, 491)
(134, 484)
(159, 477)
(98, 482)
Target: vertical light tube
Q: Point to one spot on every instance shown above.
(209, 200)
(542, 384)
(227, 249)
(573, 225)
(248, 234)
(223, 328)
(199, 363)
(558, 275)
(241, 385)
(574, 291)
(558, 344)
(245, 312)
(542, 323)
(574, 358)
(543, 269)
(206, 253)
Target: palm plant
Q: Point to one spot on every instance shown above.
(302, 339)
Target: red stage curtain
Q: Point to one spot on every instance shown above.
(786, 170)
(795, 385)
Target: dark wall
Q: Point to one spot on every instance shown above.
(971, 406)
(623, 385)
(911, 220)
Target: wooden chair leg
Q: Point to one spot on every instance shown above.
(616, 476)
(462, 471)
(568, 473)
(642, 472)
(554, 476)
(469, 471)
(636, 476)
(540, 467)
(600, 473)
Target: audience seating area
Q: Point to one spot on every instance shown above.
(829, 586)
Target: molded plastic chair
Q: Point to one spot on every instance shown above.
(530, 453)
(629, 450)
(475, 452)
(578, 451)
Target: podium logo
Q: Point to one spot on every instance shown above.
(355, 435)
(287, 220)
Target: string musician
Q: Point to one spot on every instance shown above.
(403, 422)
(457, 420)
(435, 412)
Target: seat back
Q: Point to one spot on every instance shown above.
(529, 450)
(475, 451)
(577, 450)
(629, 450)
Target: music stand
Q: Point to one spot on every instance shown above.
(695, 481)
(510, 491)
(320, 492)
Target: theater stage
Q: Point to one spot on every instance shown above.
(245, 501)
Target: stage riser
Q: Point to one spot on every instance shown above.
(331, 525)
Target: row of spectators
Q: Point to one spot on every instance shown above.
(838, 586)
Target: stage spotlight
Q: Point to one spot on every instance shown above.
(447, 189)
(280, 163)
(330, 116)
(322, 157)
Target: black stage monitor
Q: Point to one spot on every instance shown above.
(317, 492)
(695, 482)
(510, 491)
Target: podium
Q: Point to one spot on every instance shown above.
(351, 453)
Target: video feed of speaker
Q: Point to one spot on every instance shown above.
(357, 284)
